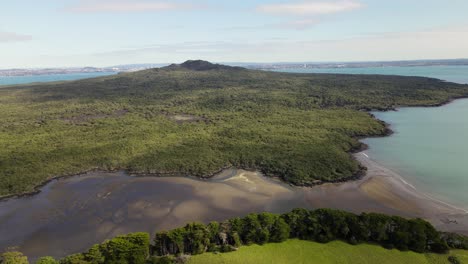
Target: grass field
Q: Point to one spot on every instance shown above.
(297, 251)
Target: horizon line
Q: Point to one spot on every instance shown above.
(239, 62)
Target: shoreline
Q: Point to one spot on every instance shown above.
(391, 189)
(378, 183)
(387, 131)
(74, 213)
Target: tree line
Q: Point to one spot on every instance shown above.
(322, 225)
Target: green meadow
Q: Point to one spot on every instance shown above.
(307, 252)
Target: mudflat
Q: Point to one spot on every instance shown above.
(71, 214)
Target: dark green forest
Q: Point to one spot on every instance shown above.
(197, 118)
(322, 225)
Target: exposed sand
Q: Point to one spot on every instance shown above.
(71, 214)
(391, 190)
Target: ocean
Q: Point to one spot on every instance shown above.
(458, 74)
(429, 147)
(9, 80)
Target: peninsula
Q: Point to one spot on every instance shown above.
(198, 118)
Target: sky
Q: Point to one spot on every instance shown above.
(68, 33)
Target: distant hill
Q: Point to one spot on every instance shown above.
(200, 65)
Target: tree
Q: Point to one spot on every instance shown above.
(214, 232)
(94, 255)
(47, 260)
(279, 231)
(454, 260)
(197, 238)
(14, 257)
(250, 229)
(132, 248)
(162, 260)
(74, 259)
(321, 225)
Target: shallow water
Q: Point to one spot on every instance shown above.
(429, 147)
(8, 80)
(458, 74)
(71, 214)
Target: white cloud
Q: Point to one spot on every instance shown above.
(437, 43)
(301, 24)
(431, 44)
(321, 7)
(88, 6)
(13, 37)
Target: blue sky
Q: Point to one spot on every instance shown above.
(52, 33)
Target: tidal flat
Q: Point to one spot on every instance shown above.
(70, 214)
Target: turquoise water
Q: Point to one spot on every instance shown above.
(430, 145)
(429, 148)
(8, 80)
(458, 74)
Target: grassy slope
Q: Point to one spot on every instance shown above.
(297, 126)
(296, 251)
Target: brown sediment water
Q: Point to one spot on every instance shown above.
(71, 214)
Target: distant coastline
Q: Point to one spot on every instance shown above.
(249, 65)
(363, 64)
(76, 70)
(45, 78)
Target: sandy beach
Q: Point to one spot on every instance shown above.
(390, 189)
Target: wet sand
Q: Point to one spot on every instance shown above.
(390, 189)
(71, 214)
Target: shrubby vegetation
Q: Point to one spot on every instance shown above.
(322, 225)
(13, 257)
(455, 240)
(47, 260)
(131, 249)
(299, 127)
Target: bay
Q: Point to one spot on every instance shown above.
(10, 80)
(457, 74)
(429, 147)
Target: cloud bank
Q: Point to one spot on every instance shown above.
(434, 44)
(300, 24)
(310, 7)
(438, 43)
(120, 6)
(13, 37)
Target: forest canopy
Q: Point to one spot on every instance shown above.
(197, 118)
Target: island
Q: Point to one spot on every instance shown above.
(198, 119)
